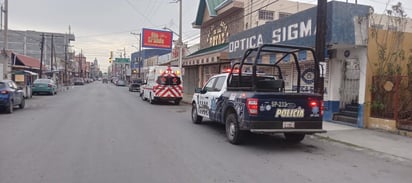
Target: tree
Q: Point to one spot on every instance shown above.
(387, 33)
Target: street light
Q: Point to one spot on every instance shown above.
(179, 44)
(179, 41)
(169, 29)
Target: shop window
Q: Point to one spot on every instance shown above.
(392, 27)
(377, 26)
(283, 14)
(266, 15)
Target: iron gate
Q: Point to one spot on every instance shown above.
(349, 92)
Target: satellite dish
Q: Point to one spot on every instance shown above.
(371, 10)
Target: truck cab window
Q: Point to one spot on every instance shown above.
(209, 85)
(219, 83)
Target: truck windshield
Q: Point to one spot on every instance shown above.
(168, 80)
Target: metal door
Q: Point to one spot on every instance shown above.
(349, 92)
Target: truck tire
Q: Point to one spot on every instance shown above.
(196, 119)
(233, 133)
(151, 101)
(294, 138)
(142, 96)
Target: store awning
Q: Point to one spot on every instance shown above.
(207, 56)
(25, 72)
(28, 62)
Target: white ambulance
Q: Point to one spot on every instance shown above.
(163, 83)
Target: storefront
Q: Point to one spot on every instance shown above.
(216, 22)
(345, 57)
(24, 79)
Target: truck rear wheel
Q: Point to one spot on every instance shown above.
(294, 138)
(142, 96)
(233, 132)
(196, 119)
(151, 101)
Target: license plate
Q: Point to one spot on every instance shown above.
(288, 124)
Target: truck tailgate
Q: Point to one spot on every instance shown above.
(287, 112)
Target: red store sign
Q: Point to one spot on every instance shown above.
(157, 38)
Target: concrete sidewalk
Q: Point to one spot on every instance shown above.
(379, 141)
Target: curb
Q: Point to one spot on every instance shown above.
(393, 156)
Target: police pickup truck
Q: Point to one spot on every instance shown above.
(253, 97)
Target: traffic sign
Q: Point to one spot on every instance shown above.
(122, 60)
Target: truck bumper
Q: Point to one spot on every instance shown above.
(306, 131)
(168, 98)
(307, 127)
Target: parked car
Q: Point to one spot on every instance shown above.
(11, 95)
(78, 81)
(44, 86)
(121, 83)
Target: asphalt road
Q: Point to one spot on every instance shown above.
(100, 133)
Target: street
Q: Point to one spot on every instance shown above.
(100, 133)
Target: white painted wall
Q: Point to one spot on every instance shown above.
(334, 79)
(362, 54)
(1, 72)
(335, 69)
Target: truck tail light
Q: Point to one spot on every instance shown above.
(316, 104)
(252, 106)
(321, 107)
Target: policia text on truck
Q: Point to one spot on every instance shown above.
(253, 96)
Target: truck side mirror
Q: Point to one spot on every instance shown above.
(198, 90)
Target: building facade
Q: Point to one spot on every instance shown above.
(139, 60)
(29, 43)
(220, 19)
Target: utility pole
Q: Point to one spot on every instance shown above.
(1, 17)
(81, 63)
(320, 43)
(52, 52)
(41, 55)
(140, 51)
(140, 55)
(65, 62)
(180, 40)
(6, 13)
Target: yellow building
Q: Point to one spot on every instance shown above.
(389, 99)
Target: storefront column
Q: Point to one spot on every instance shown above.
(332, 99)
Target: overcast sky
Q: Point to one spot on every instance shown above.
(101, 26)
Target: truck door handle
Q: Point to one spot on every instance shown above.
(206, 97)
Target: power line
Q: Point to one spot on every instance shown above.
(141, 14)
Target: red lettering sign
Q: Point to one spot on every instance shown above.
(157, 39)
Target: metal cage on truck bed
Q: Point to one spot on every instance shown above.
(248, 75)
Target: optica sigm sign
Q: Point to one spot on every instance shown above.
(157, 39)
